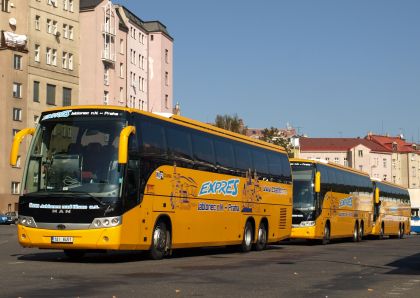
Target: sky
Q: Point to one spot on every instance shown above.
(330, 68)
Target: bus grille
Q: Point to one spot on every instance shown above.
(283, 218)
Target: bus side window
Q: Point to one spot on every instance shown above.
(259, 159)
(225, 157)
(243, 158)
(179, 145)
(203, 152)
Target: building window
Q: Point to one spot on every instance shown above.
(151, 37)
(36, 91)
(5, 5)
(166, 101)
(17, 162)
(166, 78)
(166, 56)
(50, 94)
(71, 5)
(54, 57)
(14, 132)
(121, 46)
(65, 31)
(70, 61)
(65, 5)
(106, 75)
(121, 94)
(360, 153)
(48, 55)
(71, 32)
(37, 53)
(413, 169)
(17, 62)
(49, 26)
(66, 96)
(361, 168)
(17, 114)
(54, 27)
(52, 2)
(385, 177)
(384, 162)
(36, 118)
(17, 90)
(346, 162)
(15, 188)
(121, 70)
(106, 97)
(64, 62)
(336, 159)
(37, 22)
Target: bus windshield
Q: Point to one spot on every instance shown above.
(303, 188)
(75, 155)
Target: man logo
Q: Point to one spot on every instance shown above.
(61, 227)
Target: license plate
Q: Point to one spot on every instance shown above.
(55, 239)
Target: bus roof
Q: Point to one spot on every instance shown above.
(330, 164)
(390, 184)
(184, 121)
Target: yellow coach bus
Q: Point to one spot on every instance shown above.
(112, 178)
(392, 211)
(330, 201)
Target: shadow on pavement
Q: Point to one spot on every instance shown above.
(408, 265)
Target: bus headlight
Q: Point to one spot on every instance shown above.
(27, 221)
(106, 222)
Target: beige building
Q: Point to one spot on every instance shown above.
(38, 69)
(360, 154)
(131, 59)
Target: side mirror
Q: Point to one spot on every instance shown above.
(123, 144)
(318, 182)
(16, 143)
(377, 195)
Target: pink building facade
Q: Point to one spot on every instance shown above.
(124, 60)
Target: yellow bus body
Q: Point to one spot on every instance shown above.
(196, 220)
(341, 217)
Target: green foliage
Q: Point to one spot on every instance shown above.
(232, 123)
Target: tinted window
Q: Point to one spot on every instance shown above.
(285, 166)
(224, 154)
(179, 142)
(243, 157)
(275, 166)
(152, 138)
(203, 148)
(260, 161)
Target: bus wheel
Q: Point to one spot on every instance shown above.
(327, 234)
(361, 231)
(74, 254)
(262, 237)
(382, 232)
(402, 231)
(161, 241)
(247, 241)
(355, 232)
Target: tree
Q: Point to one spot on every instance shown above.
(232, 123)
(272, 135)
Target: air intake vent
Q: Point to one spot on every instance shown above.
(283, 218)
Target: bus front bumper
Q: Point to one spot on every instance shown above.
(303, 233)
(105, 238)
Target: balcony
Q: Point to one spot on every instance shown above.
(108, 29)
(108, 56)
(13, 41)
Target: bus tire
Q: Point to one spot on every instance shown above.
(382, 232)
(402, 231)
(74, 254)
(248, 236)
(361, 230)
(262, 237)
(355, 237)
(161, 241)
(327, 234)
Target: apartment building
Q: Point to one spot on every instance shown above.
(358, 153)
(38, 70)
(124, 60)
(405, 159)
